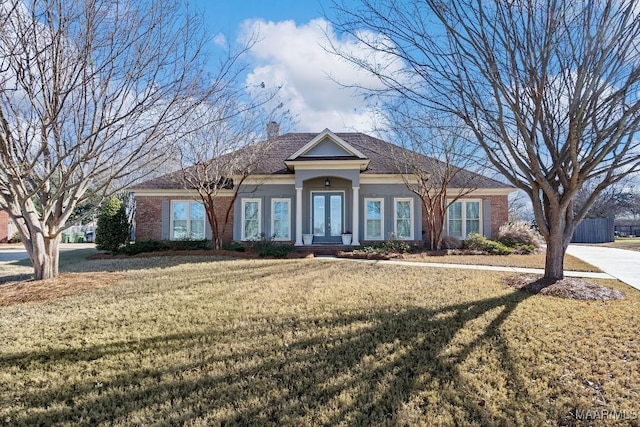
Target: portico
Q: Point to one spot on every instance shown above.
(327, 177)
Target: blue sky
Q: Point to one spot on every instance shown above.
(290, 53)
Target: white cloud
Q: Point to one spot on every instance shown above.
(293, 56)
(220, 40)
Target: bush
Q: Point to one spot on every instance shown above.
(16, 238)
(276, 250)
(113, 229)
(141, 247)
(478, 242)
(451, 242)
(519, 234)
(188, 245)
(234, 246)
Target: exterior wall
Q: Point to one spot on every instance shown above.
(388, 192)
(499, 213)
(265, 193)
(4, 227)
(151, 220)
(497, 210)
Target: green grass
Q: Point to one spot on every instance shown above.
(197, 341)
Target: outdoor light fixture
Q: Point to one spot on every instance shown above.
(327, 183)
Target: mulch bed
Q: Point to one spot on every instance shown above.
(66, 284)
(201, 252)
(569, 287)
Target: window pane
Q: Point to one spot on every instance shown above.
(180, 231)
(455, 211)
(197, 211)
(455, 227)
(374, 209)
(250, 210)
(404, 228)
(336, 215)
(403, 209)
(318, 215)
(197, 229)
(281, 219)
(251, 229)
(473, 210)
(374, 229)
(473, 226)
(180, 210)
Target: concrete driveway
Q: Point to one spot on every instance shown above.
(622, 264)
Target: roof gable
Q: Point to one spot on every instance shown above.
(327, 144)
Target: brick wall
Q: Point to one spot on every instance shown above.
(4, 227)
(149, 216)
(499, 213)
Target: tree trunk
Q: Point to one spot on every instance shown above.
(44, 255)
(554, 262)
(560, 231)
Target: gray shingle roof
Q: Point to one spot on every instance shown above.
(380, 153)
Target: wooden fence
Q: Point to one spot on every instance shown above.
(594, 230)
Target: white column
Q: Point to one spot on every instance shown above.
(355, 223)
(298, 216)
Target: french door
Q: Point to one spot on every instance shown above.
(327, 211)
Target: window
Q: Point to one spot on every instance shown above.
(373, 219)
(463, 218)
(403, 219)
(251, 219)
(281, 219)
(187, 220)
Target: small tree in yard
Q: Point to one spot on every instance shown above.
(433, 160)
(549, 88)
(113, 228)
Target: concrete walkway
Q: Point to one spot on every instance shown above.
(622, 264)
(584, 274)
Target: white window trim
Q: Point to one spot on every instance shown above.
(395, 216)
(242, 225)
(171, 219)
(273, 202)
(464, 216)
(366, 218)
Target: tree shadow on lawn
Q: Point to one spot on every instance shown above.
(381, 362)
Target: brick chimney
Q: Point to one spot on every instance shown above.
(273, 130)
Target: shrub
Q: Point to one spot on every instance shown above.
(394, 245)
(16, 238)
(519, 234)
(276, 250)
(234, 246)
(141, 247)
(113, 230)
(451, 242)
(478, 242)
(188, 245)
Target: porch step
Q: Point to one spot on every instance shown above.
(324, 249)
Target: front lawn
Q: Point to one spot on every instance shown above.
(198, 341)
(571, 263)
(629, 243)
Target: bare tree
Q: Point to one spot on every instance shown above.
(229, 145)
(613, 201)
(434, 160)
(90, 90)
(548, 87)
